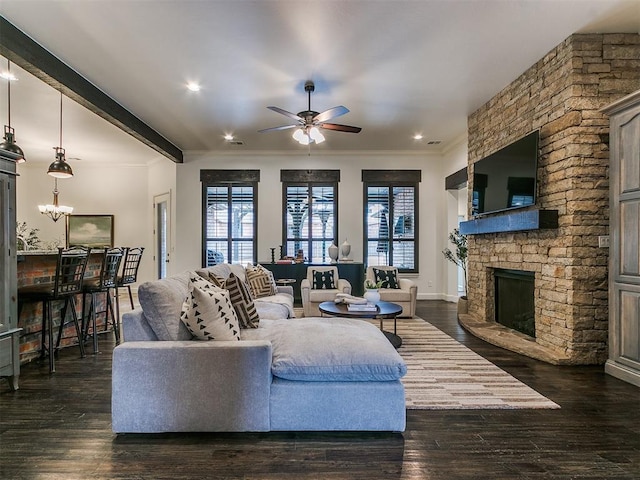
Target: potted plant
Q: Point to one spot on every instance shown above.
(459, 257)
(371, 288)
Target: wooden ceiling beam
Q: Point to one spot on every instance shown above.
(33, 58)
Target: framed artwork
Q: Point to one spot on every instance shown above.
(90, 230)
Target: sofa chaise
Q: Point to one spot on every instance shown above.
(288, 374)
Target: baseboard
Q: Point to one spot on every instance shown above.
(437, 296)
(622, 372)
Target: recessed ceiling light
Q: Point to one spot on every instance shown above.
(417, 136)
(193, 86)
(228, 137)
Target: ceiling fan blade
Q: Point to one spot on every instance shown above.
(273, 129)
(285, 113)
(329, 114)
(340, 128)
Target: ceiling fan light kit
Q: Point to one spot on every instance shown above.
(309, 122)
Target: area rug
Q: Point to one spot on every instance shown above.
(444, 374)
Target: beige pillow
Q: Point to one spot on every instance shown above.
(208, 314)
(261, 281)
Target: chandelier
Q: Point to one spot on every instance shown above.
(55, 210)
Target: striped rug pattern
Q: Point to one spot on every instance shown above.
(444, 374)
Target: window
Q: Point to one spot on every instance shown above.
(391, 218)
(229, 222)
(310, 204)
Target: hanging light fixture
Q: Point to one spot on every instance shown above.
(55, 210)
(9, 142)
(60, 168)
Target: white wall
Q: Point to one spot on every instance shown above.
(161, 180)
(128, 191)
(432, 203)
(120, 191)
(454, 159)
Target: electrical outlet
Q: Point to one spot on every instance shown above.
(429, 283)
(603, 241)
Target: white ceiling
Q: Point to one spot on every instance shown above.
(402, 67)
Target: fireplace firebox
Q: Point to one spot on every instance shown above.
(514, 300)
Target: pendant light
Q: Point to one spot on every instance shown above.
(55, 211)
(60, 168)
(9, 143)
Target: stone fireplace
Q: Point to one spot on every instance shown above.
(514, 302)
(561, 96)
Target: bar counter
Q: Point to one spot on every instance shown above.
(39, 266)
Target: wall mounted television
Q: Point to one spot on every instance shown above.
(506, 179)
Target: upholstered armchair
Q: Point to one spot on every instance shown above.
(321, 285)
(406, 293)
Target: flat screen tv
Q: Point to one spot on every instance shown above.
(506, 179)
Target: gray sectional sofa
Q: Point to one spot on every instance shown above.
(290, 374)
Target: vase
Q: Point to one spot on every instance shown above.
(463, 305)
(333, 253)
(345, 249)
(372, 295)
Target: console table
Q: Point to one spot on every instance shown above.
(351, 271)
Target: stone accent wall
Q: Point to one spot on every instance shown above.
(561, 95)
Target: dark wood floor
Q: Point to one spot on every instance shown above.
(58, 427)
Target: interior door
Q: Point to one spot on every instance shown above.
(162, 233)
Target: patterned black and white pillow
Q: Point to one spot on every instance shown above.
(242, 302)
(201, 282)
(260, 281)
(323, 280)
(388, 278)
(208, 314)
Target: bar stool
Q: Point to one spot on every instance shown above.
(129, 275)
(107, 280)
(70, 267)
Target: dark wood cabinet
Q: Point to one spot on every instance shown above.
(9, 331)
(351, 271)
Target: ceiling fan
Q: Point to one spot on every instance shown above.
(308, 122)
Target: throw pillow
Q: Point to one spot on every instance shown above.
(209, 315)
(202, 282)
(323, 280)
(388, 278)
(260, 281)
(242, 302)
(217, 281)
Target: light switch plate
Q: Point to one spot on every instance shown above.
(603, 241)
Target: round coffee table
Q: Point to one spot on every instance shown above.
(385, 310)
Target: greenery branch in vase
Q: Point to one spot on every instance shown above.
(459, 256)
(26, 238)
(371, 287)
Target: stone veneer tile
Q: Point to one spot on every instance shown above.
(561, 94)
